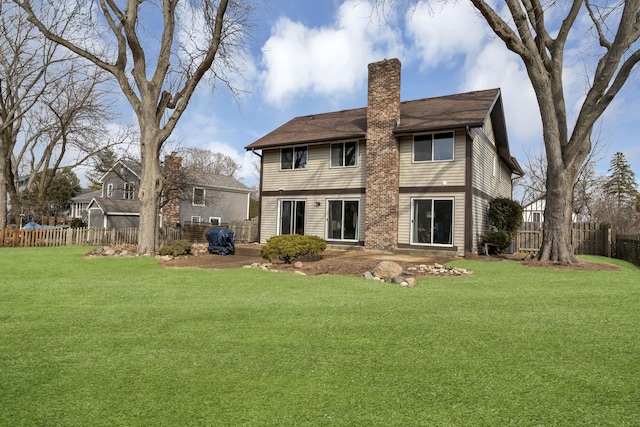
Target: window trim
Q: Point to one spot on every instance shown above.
(217, 218)
(195, 219)
(129, 191)
(204, 196)
(432, 134)
(109, 190)
(344, 154)
(432, 224)
(293, 157)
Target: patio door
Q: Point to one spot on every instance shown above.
(432, 222)
(292, 213)
(342, 220)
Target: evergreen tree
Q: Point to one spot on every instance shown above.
(104, 161)
(621, 182)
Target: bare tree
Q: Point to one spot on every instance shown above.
(533, 185)
(51, 109)
(158, 79)
(542, 52)
(202, 160)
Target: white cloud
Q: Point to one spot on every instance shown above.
(441, 35)
(325, 61)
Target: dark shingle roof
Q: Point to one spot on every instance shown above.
(445, 112)
(86, 197)
(216, 181)
(112, 206)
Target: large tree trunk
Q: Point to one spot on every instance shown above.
(3, 199)
(150, 189)
(556, 231)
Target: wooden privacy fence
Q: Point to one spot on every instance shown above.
(587, 238)
(628, 248)
(78, 236)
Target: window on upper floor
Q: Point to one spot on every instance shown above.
(129, 191)
(344, 154)
(433, 147)
(293, 158)
(109, 191)
(198, 196)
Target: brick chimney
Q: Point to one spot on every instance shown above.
(382, 157)
(172, 189)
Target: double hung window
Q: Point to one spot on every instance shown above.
(293, 158)
(433, 147)
(344, 154)
(198, 196)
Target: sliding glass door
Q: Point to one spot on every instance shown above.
(432, 222)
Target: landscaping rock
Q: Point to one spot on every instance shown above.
(387, 270)
(368, 276)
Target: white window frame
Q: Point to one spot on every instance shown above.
(432, 221)
(293, 159)
(193, 196)
(215, 218)
(344, 154)
(109, 191)
(129, 191)
(195, 219)
(453, 147)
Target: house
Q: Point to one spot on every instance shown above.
(80, 203)
(534, 212)
(392, 176)
(189, 197)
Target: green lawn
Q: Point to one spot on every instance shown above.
(113, 341)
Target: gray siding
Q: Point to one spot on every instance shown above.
(123, 221)
(227, 205)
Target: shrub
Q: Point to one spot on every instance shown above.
(177, 247)
(77, 223)
(505, 214)
(500, 239)
(289, 247)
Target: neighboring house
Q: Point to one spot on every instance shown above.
(394, 175)
(80, 203)
(208, 199)
(534, 211)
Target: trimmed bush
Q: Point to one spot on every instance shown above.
(177, 247)
(290, 247)
(500, 239)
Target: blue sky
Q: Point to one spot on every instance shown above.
(308, 57)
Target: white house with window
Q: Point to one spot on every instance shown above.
(421, 178)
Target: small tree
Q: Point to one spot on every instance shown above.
(505, 216)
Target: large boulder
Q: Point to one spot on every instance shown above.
(387, 270)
